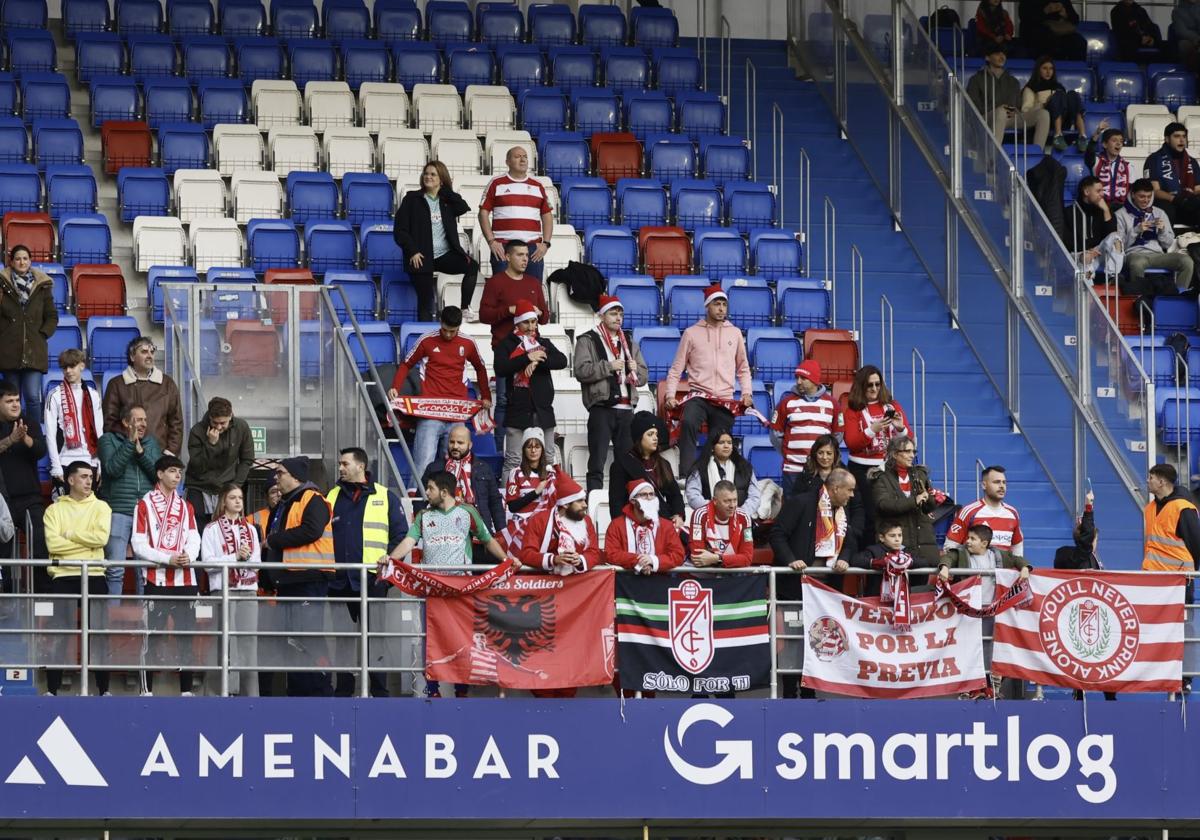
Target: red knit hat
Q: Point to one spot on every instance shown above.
(714, 292)
(607, 302)
(525, 311)
(567, 489)
(810, 369)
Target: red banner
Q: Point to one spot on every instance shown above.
(413, 580)
(448, 410)
(529, 631)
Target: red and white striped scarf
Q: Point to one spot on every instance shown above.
(170, 514)
(831, 524)
(704, 530)
(512, 536)
(527, 343)
(567, 544)
(234, 534)
(460, 468)
(894, 564)
(617, 348)
(640, 536)
(905, 479)
(77, 430)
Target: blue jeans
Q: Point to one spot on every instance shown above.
(430, 442)
(534, 269)
(114, 552)
(499, 410)
(30, 383)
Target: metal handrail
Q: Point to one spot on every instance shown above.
(726, 53)
(946, 459)
(858, 309)
(702, 39)
(887, 335)
(918, 408)
(829, 237)
(777, 150)
(752, 113)
(805, 184)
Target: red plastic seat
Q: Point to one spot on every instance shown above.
(33, 230)
(1121, 308)
(253, 348)
(665, 250)
(837, 352)
(99, 290)
(277, 302)
(125, 144)
(617, 154)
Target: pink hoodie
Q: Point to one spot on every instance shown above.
(712, 356)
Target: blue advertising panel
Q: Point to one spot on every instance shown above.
(159, 758)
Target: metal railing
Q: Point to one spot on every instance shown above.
(777, 152)
(805, 187)
(950, 447)
(752, 114)
(829, 244)
(726, 52)
(918, 407)
(887, 335)
(858, 308)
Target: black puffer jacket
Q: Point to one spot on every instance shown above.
(413, 229)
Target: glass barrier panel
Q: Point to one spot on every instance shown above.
(1049, 281)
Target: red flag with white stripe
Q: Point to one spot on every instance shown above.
(1099, 631)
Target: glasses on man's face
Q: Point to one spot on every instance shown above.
(645, 497)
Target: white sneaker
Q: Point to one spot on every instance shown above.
(146, 694)
(470, 316)
(186, 694)
(106, 694)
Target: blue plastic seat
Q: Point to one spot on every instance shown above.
(229, 304)
(764, 458)
(1122, 83)
(1178, 410)
(57, 141)
(365, 61)
(14, 141)
(182, 146)
(676, 69)
(751, 301)
(205, 57)
(31, 51)
(724, 159)
(449, 21)
(380, 254)
(586, 201)
(107, 338)
(683, 281)
(190, 17)
(746, 425)
(802, 304)
(1174, 313)
(368, 197)
(601, 25)
(658, 345)
(551, 24)
(700, 114)
(1099, 40)
(397, 20)
(670, 156)
(222, 101)
(81, 16)
(84, 238)
(521, 66)
(67, 336)
(242, 19)
(142, 192)
(719, 252)
(20, 188)
(168, 101)
(159, 274)
(749, 204)
(469, 64)
(1174, 89)
(331, 245)
(361, 295)
(312, 60)
(774, 351)
(542, 110)
(23, 14)
(399, 299)
(1076, 76)
(139, 16)
(500, 23)
(8, 94)
(152, 56)
(612, 249)
(114, 98)
(1076, 171)
(595, 110)
(646, 113)
(564, 154)
(640, 299)
(573, 67)
(380, 345)
(641, 202)
(625, 68)
(417, 63)
(696, 203)
(259, 58)
(61, 286)
(70, 189)
(98, 54)
(272, 243)
(311, 195)
(293, 19)
(346, 20)
(653, 27)
(685, 304)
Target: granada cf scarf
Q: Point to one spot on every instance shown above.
(831, 527)
(512, 536)
(235, 533)
(170, 515)
(460, 468)
(617, 347)
(413, 580)
(703, 534)
(734, 407)
(448, 410)
(1017, 595)
(894, 593)
(528, 343)
(77, 430)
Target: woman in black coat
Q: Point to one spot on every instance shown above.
(644, 461)
(426, 229)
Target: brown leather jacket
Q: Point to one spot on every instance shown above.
(24, 330)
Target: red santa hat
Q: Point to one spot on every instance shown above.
(525, 311)
(638, 485)
(809, 369)
(714, 292)
(608, 302)
(567, 489)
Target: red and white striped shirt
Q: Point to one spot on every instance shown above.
(801, 421)
(146, 541)
(517, 207)
(1003, 519)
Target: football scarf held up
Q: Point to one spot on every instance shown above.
(447, 410)
(413, 580)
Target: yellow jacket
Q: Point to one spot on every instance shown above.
(77, 531)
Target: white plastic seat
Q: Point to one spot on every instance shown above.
(329, 105)
(459, 149)
(556, 334)
(257, 195)
(489, 108)
(471, 188)
(348, 150)
(294, 148)
(569, 313)
(404, 152)
(1192, 124)
(1133, 111)
(383, 105)
(551, 191)
(216, 242)
(437, 106)
(1137, 159)
(499, 141)
(199, 194)
(480, 332)
(598, 511)
(277, 102)
(158, 240)
(565, 247)
(1147, 130)
(238, 148)
(1184, 111)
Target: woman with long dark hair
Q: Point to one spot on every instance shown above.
(824, 458)
(644, 460)
(903, 493)
(1044, 90)
(720, 461)
(426, 229)
(872, 418)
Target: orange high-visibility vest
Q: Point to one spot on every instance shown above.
(1165, 552)
(318, 553)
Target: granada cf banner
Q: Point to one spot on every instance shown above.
(527, 631)
(697, 636)
(851, 647)
(1099, 631)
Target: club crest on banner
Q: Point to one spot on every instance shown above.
(690, 611)
(1092, 626)
(827, 639)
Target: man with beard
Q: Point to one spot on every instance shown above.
(639, 538)
(562, 540)
(475, 483)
